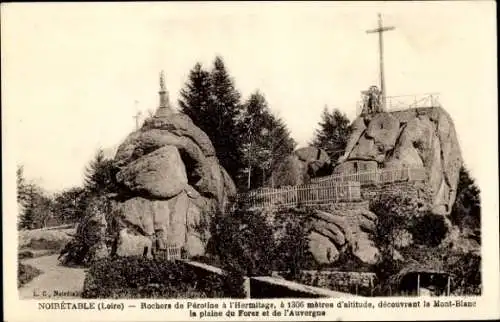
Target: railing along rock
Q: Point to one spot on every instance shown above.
(303, 195)
(379, 176)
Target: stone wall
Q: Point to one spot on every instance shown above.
(267, 286)
(275, 287)
(361, 283)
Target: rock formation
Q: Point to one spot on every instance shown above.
(300, 166)
(420, 138)
(170, 182)
(335, 230)
(423, 137)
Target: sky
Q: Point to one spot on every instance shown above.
(72, 72)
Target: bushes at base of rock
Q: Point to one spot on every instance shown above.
(25, 273)
(140, 277)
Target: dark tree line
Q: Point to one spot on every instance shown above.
(248, 138)
(39, 209)
(333, 133)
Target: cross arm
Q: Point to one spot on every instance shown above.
(380, 30)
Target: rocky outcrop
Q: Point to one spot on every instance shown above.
(335, 231)
(302, 165)
(159, 174)
(170, 182)
(423, 137)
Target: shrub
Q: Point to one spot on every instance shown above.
(429, 230)
(140, 277)
(25, 254)
(25, 273)
(466, 272)
(90, 232)
(292, 243)
(243, 241)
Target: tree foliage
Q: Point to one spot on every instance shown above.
(265, 141)
(395, 212)
(99, 175)
(243, 241)
(292, 252)
(37, 209)
(22, 186)
(70, 204)
(249, 140)
(333, 133)
(213, 103)
(195, 96)
(466, 211)
(252, 242)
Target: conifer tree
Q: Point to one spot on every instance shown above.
(100, 175)
(333, 133)
(223, 128)
(466, 210)
(195, 96)
(22, 190)
(211, 100)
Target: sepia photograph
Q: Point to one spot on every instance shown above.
(226, 150)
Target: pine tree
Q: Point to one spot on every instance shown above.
(99, 175)
(195, 97)
(282, 144)
(212, 102)
(22, 188)
(222, 127)
(333, 133)
(28, 216)
(466, 211)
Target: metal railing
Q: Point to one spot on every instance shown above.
(379, 176)
(303, 195)
(404, 102)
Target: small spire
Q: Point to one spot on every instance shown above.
(162, 81)
(164, 101)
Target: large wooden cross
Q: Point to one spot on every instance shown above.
(380, 30)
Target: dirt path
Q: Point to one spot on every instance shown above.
(56, 281)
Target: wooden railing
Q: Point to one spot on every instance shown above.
(330, 189)
(303, 195)
(375, 177)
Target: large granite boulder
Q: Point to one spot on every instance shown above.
(171, 182)
(412, 138)
(335, 231)
(159, 174)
